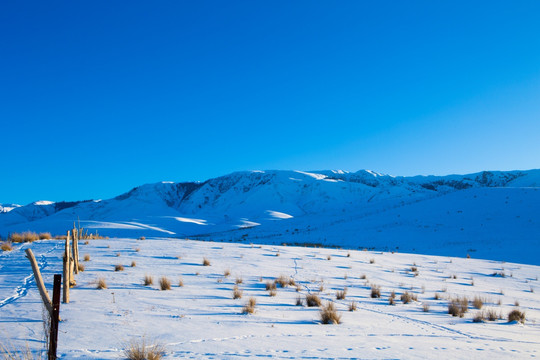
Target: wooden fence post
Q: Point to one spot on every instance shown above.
(74, 251)
(65, 298)
(55, 317)
(39, 281)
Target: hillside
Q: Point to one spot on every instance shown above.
(488, 214)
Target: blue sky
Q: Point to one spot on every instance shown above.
(98, 97)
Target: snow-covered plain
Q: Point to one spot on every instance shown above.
(201, 320)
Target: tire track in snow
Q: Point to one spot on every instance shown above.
(22, 290)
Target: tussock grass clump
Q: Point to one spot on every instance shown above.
(492, 315)
(237, 293)
(142, 238)
(180, 282)
(27, 236)
(478, 302)
(80, 267)
(45, 236)
(270, 285)
(249, 308)
(119, 267)
(148, 280)
(164, 283)
(458, 306)
(516, 315)
(353, 306)
(133, 263)
(86, 257)
(139, 350)
(375, 291)
(238, 280)
(329, 314)
(299, 301)
(425, 307)
(329, 257)
(282, 281)
(313, 300)
(341, 294)
(101, 283)
(138, 249)
(272, 292)
(437, 296)
(6, 246)
(372, 261)
(479, 317)
(118, 254)
(227, 273)
(407, 297)
(206, 262)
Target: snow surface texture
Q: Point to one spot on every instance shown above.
(201, 320)
(490, 215)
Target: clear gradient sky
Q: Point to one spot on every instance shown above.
(97, 97)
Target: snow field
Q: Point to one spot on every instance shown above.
(201, 320)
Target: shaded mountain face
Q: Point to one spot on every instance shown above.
(360, 209)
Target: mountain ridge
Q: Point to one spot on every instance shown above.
(328, 207)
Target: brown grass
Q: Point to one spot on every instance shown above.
(227, 273)
(425, 307)
(341, 294)
(45, 236)
(164, 283)
(329, 314)
(148, 280)
(352, 306)
(478, 302)
(407, 297)
(282, 281)
(313, 300)
(237, 293)
(133, 263)
(180, 282)
(101, 283)
(6, 246)
(272, 292)
(206, 262)
(142, 238)
(119, 268)
(375, 291)
(516, 315)
(27, 236)
(238, 280)
(249, 308)
(372, 261)
(299, 301)
(458, 306)
(139, 350)
(86, 257)
(80, 267)
(270, 285)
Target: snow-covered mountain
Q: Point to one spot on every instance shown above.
(484, 214)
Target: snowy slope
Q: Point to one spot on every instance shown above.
(487, 214)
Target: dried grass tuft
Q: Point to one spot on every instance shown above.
(164, 283)
(329, 314)
(313, 300)
(249, 308)
(101, 283)
(148, 280)
(140, 350)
